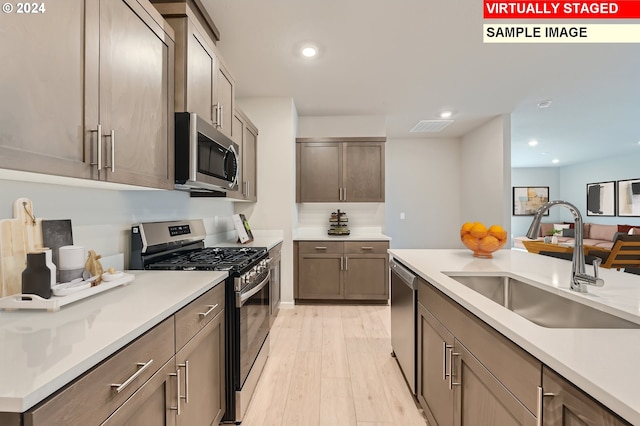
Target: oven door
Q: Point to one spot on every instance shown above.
(252, 307)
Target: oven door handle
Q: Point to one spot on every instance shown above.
(242, 297)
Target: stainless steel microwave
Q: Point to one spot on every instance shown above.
(205, 158)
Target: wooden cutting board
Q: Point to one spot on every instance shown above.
(18, 236)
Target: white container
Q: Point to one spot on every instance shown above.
(71, 257)
(50, 265)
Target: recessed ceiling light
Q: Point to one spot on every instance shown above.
(446, 114)
(309, 51)
(544, 104)
(533, 142)
(555, 161)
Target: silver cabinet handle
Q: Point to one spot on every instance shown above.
(321, 248)
(342, 263)
(112, 135)
(119, 387)
(367, 248)
(340, 196)
(540, 405)
(221, 114)
(186, 382)
(203, 315)
(451, 372)
(445, 374)
(98, 131)
(346, 263)
(177, 406)
(344, 194)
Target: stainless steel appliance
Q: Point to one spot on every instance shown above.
(404, 292)
(205, 159)
(179, 245)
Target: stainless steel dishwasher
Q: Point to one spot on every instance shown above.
(404, 293)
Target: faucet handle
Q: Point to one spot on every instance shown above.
(598, 282)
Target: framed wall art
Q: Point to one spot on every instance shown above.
(629, 197)
(601, 199)
(527, 199)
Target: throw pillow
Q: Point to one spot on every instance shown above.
(569, 233)
(634, 231)
(602, 232)
(545, 229)
(560, 226)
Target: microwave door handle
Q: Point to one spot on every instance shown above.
(237, 175)
(243, 297)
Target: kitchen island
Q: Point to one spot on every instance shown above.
(44, 351)
(602, 362)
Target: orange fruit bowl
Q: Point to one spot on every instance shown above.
(482, 241)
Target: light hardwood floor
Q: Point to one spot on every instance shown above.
(332, 365)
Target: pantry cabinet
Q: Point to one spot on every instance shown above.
(92, 98)
(340, 170)
(173, 374)
(336, 270)
(203, 84)
(467, 372)
(245, 134)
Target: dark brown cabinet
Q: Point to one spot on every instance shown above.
(352, 270)
(340, 170)
(566, 405)
(106, 98)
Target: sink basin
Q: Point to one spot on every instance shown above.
(539, 306)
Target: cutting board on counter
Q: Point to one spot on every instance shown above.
(18, 236)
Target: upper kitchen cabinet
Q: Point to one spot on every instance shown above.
(91, 98)
(340, 170)
(203, 83)
(245, 134)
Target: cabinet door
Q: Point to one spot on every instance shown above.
(223, 98)
(153, 404)
(363, 171)
(200, 66)
(566, 405)
(250, 163)
(136, 95)
(433, 346)
(43, 92)
(201, 366)
(320, 276)
(319, 172)
(366, 276)
(480, 399)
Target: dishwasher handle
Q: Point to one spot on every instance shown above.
(408, 277)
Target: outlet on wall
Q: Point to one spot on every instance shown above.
(402, 216)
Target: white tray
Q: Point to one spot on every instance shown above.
(15, 301)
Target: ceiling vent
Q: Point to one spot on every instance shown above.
(430, 126)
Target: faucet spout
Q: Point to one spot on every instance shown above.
(579, 278)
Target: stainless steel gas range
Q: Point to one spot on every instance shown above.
(179, 245)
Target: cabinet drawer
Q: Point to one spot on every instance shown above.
(92, 398)
(321, 247)
(193, 317)
(366, 247)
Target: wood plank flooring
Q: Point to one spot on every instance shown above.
(331, 365)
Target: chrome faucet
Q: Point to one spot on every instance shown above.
(579, 278)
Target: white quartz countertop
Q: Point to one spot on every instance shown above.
(357, 234)
(42, 351)
(602, 362)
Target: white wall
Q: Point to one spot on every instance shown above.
(276, 120)
(536, 176)
(101, 218)
(423, 182)
(486, 174)
(341, 126)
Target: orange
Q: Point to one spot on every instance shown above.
(466, 228)
(498, 232)
(471, 242)
(478, 230)
(489, 243)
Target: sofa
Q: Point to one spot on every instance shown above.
(602, 236)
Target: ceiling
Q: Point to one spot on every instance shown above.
(408, 60)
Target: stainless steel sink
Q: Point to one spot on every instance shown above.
(539, 306)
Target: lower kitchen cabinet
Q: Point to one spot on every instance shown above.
(336, 270)
(201, 376)
(469, 374)
(173, 374)
(565, 404)
(153, 404)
